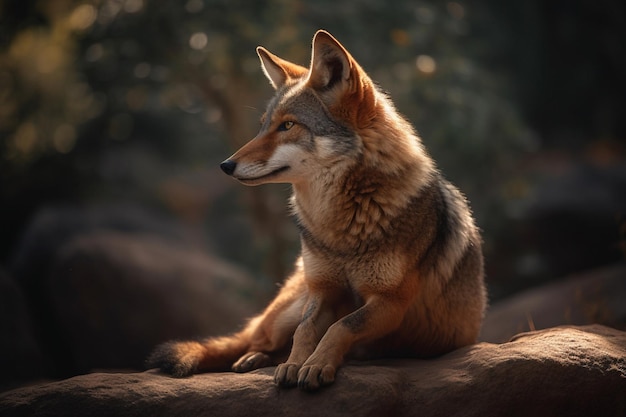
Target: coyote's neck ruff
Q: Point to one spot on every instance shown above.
(391, 259)
(353, 198)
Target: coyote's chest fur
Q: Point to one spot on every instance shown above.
(348, 220)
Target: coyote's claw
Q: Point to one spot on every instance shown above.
(313, 377)
(251, 361)
(286, 375)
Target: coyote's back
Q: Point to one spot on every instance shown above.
(391, 261)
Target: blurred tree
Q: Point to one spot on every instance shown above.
(138, 100)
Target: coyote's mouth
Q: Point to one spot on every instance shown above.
(262, 178)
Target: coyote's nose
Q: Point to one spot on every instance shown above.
(228, 166)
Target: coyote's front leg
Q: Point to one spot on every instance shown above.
(317, 317)
(380, 315)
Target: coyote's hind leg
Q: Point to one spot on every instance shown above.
(263, 340)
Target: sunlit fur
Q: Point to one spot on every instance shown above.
(391, 261)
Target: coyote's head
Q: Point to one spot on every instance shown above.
(314, 119)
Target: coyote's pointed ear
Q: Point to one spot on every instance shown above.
(340, 82)
(277, 70)
(330, 62)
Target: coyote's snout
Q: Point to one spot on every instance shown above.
(391, 261)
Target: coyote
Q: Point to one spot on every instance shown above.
(391, 262)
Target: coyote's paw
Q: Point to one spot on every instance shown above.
(178, 359)
(312, 377)
(251, 361)
(286, 375)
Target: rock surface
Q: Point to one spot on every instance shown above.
(115, 297)
(20, 357)
(103, 286)
(594, 297)
(570, 371)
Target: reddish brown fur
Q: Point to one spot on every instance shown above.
(391, 261)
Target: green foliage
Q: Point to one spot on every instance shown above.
(139, 100)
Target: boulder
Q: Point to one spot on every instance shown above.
(593, 297)
(104, 285)
(20, 356)
(53, 226)
(113, 297)
(570, 371)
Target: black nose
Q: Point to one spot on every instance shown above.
(228, 166)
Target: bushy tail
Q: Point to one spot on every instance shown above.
(185, 358)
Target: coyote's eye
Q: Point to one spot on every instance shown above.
(285, 126)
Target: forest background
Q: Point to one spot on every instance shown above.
(133, 103)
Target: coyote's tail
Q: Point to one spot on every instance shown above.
(185, 358)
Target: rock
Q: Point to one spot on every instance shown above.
(53, 226)
(595, 297)
(570, 219)
(104, 285)
(570, 371)
(115, 296)
(20, 357)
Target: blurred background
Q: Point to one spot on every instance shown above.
(115, 114)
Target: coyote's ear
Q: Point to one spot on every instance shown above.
(277, 70)
(330, 62)
(340, 82)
